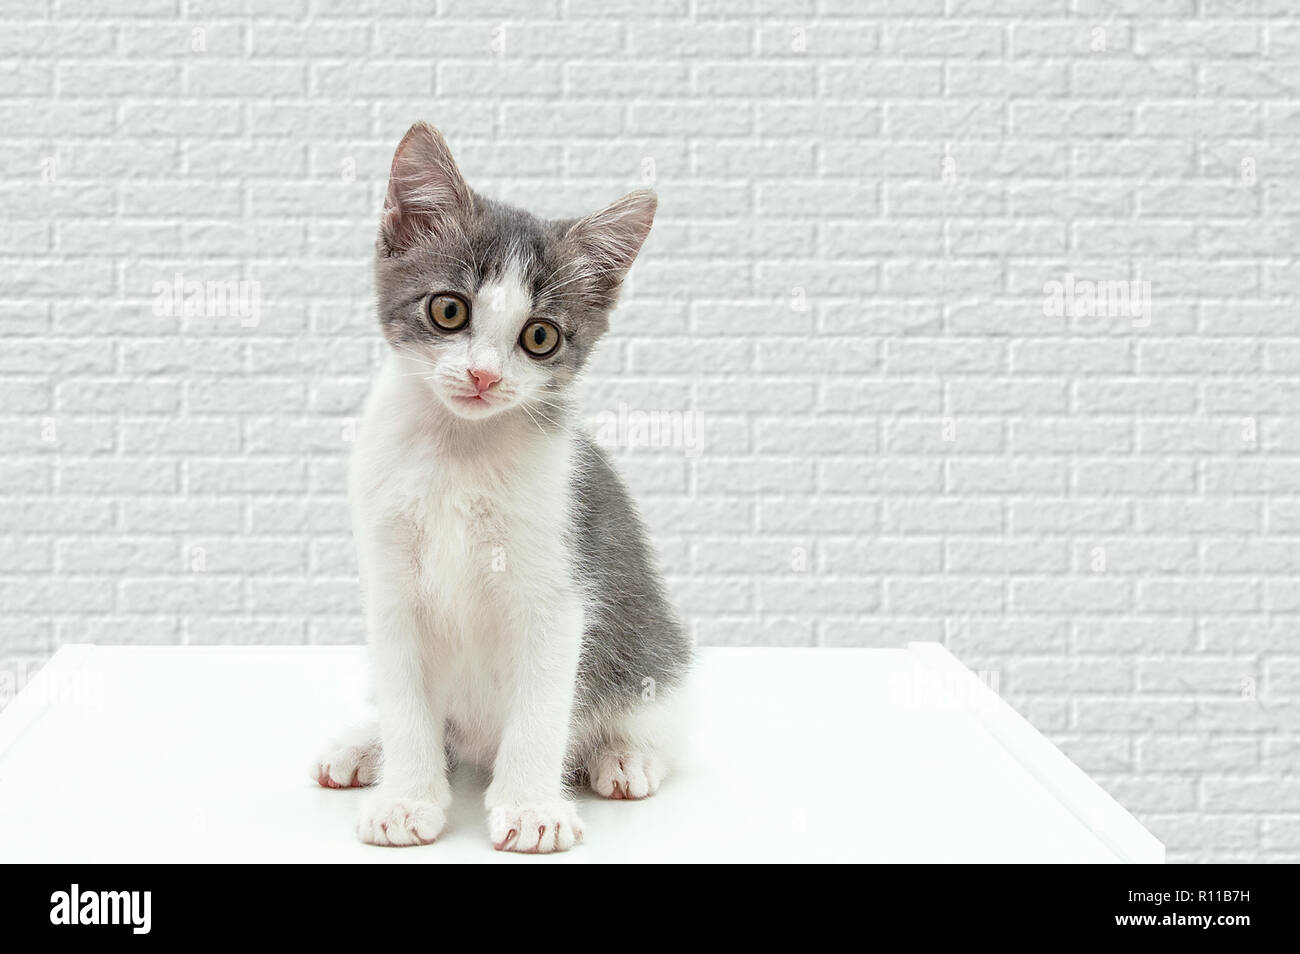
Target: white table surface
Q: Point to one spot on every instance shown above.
(133, 754)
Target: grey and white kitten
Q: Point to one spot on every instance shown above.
(515, 615)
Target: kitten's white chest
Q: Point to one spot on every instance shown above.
(460, 537)
(486, 534)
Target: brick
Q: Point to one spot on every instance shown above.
(1007, 634)
(191, 595)
(945, 436)
(944, 38)
(1071, 594)
(1006, 556)
(944, 594)
(62, 594)
(882, 631)
(729, 475)
(882, 555)
(1173, 515)
(1103, 475)
(1198, 596)
(1009, 475)
(1193, 830)
(152, 435)
(839, 434)
(25, 555)
(1134, 635)
(816, 595)
(219, 552)
(1227, 678)
(116, 476)
(115, 557)
(1247, 794)
(944, 515)
(1059, 676)
(1136, 555)
(179, 515)
(293, 596)
(897, 475)
(1134, 715)
(1172, 754)
(673, 40)
(754, 631)
(787, 514)
(1070, 435)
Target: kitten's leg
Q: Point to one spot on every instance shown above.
(527, 808)
(352, 761)
(409, 805)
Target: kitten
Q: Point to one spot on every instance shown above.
(515, 616)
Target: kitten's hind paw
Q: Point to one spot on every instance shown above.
(535, 829)
(350, 766)
(399, 822)
(625, 774)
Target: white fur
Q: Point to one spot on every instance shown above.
(625, 774)
(351, 762)
(474, 616)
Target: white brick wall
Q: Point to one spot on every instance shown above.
(1108, 515)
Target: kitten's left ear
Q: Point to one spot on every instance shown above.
(608, 240)
(427, 196)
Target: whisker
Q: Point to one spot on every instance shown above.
(555, 423)
(416, 357)
(539, 427)
(403, 349)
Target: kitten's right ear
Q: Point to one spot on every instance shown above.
(608, 241)
(427, 196)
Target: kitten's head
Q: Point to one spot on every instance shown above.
(494, 307)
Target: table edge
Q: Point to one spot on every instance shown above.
(33, 700)
(1094, 807)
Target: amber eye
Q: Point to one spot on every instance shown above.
(448, 312)
(539, 338)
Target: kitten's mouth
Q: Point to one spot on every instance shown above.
(472, 405)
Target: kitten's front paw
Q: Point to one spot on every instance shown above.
(349, 766)
(398, 822)
(625, 774)
(535, 829)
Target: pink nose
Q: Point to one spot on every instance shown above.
(483, 379)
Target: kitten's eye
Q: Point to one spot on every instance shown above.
(539, 338)
(449, 312)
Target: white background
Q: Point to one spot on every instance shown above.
(897, 443)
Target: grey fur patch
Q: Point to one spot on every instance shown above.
(634, 645)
